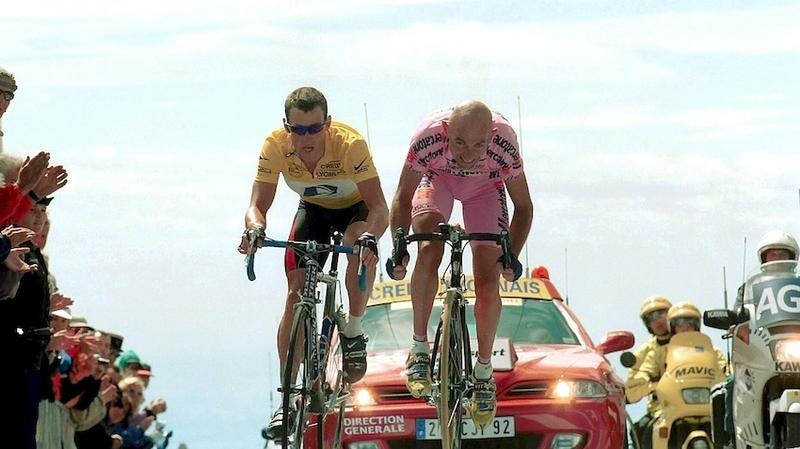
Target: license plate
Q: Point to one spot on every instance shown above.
(501, 427)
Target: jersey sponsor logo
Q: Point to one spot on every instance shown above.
(501, 162)
(360, 167)
(330, 170)
(321, 190)
(696, 371)
(430, 156)
(506, 146)
(778, 299)
(332, 165)
(264, 170)
(295, 170)
(427, 141)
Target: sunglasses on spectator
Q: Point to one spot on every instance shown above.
(8, 95)
(301, 130)
(652, 316)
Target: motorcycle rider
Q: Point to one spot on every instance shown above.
(774, 246)
(654, 316)
(681, 317)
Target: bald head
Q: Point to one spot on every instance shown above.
(469, 131)
(471, 113)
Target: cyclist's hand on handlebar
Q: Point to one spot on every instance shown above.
(513, 272)
(397, 272)
(254, 234)
(367, 242)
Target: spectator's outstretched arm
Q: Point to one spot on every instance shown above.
(53, 179)
(32, 171)
(91, 416)
(10, 199)
(156, 407)
(16, 263)
(60, 302)
(17, 235)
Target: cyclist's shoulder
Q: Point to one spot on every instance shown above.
(278, 140)
(343, 135)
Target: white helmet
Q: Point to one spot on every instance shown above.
(777, 240)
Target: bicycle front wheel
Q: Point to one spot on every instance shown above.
(296, 390)
(452, 383)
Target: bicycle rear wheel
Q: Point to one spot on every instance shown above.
(296, 391)
(452, 383)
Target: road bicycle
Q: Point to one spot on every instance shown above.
(309, 392)
(451, 360)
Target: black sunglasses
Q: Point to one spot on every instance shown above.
(303, 130)
(7, 95)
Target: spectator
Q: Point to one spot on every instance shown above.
(129, 363)
(133, 436)
(145, 373)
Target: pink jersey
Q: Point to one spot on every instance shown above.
(429, 152)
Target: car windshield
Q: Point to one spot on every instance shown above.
(389, 326)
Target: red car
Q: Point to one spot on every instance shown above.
(555, 387)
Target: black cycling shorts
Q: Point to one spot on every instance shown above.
(312, 222)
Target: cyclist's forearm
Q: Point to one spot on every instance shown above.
(520, 228)
(377, 220)
(400, 216)
(254, 217)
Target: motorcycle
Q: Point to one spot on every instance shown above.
(765, 360)
(683, 391)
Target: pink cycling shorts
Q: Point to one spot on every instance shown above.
(484, 203)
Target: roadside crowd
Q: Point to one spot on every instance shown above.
(64, 383)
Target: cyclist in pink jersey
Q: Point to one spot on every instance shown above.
(470, 154)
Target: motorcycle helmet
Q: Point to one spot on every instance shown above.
(683, 312)
(653, 304)
(777, 240)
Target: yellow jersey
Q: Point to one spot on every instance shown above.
(332, 184)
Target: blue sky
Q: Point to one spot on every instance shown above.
(656, 136)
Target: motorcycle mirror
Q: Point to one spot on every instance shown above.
(628, 359)
(743, 316)
(721, 318)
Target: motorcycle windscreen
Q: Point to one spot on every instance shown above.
(691, 355)
(775, 296)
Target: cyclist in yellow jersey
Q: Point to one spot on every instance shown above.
(330, 166)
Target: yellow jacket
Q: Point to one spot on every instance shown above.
(635, 387)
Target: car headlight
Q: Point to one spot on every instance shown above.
(361, 397)
(787, 351)
(696, 395)
(570, 389)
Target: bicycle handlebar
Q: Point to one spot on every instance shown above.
(307, 247)
(448, 233)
